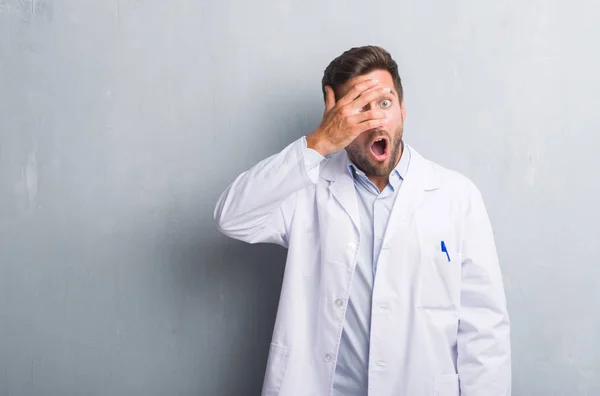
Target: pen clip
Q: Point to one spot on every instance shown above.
(444, 250)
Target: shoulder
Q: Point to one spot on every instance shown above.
(448, 180)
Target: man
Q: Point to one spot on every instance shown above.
(392, 284)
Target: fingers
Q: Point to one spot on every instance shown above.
(369, 124)
(329, 98)
(356, 91)
(366, 116)
(363, 121)
(369, 96)
(344, 120)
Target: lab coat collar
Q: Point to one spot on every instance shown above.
(420, 178)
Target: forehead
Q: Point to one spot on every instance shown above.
(383, 76)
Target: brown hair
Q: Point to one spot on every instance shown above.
(357, 62)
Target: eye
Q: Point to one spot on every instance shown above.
(385, 103)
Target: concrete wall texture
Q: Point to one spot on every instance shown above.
(121, 121)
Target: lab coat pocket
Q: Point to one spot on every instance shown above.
(439, 286)
(446, 385)
(276, 365)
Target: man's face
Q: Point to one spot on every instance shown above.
(377, 151)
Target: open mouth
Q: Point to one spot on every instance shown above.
(379, 148)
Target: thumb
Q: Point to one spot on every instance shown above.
(329, 98)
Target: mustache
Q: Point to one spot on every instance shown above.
(379, 132)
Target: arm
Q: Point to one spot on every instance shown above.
(259, 204)
(484, 357)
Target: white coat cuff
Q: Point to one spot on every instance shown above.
(312, 160)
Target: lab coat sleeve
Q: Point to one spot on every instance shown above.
(259, 205)
(312, 162)
(484, 355)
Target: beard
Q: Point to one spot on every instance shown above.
(360, 155)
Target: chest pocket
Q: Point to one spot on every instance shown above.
(439, 280)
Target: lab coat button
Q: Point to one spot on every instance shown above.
(381, 363)
(352, 246)
(339, 302)
(328, 358)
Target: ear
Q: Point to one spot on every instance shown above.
(329, 98)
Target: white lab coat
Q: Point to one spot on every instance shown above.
(439, 327)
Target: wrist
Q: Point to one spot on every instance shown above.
(314, 142)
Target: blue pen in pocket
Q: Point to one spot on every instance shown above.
(444, 250)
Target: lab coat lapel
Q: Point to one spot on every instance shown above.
(418, 181)
(341, 184)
